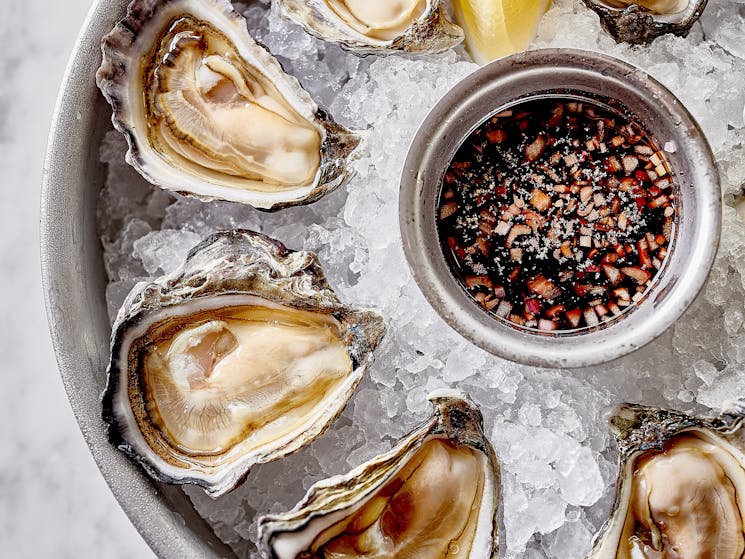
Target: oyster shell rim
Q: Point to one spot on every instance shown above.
(417, 39)
(638, 429)
(456, 417)
(340, 147)
(637, 26)
(147, 300)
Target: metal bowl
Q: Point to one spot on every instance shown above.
(596, 77)
(74, 285)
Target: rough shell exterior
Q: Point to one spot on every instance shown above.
(130, 42)
(639, 428)
(235, 263)
(638, 26)
(431, 33)
(455, 416)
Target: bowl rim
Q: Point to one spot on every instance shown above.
(449, 123)
(74, 283)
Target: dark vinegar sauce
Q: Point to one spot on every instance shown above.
(556, 214)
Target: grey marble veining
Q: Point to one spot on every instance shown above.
(53, 500)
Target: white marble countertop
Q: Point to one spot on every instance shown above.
(54, 501)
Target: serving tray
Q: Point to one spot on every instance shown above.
(705, 342)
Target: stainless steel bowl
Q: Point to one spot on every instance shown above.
(586, 75)
(74, 284)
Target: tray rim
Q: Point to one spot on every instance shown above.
(74, 281)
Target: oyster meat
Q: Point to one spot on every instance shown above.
(240, 357)
(210, 113)
(433, 496)
(641, 21)
(681, 492)
(376, 27)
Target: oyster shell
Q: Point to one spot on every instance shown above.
(210, 113)
(433, 496)
(376, 27)
(240, 357)
(681, 491)
(641, 21)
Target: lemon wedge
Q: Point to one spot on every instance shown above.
(496, 28)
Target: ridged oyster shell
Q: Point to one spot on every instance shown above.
(433, 496)
(210, 113)
(681, 490)
(240, 357)
(642, 21)
(372, 27)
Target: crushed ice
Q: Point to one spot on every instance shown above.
(548, 426)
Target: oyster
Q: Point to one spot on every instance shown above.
(242, 356)
(210, 113)
(641, 21)
(682, 486)
(433, 496)
(376, 27)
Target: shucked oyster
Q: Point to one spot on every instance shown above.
(681, 493)
(240, 357)
(376, 26)
(208, 112)
(641, 21)
(433, 496)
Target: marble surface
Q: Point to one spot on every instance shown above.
(53, 500)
